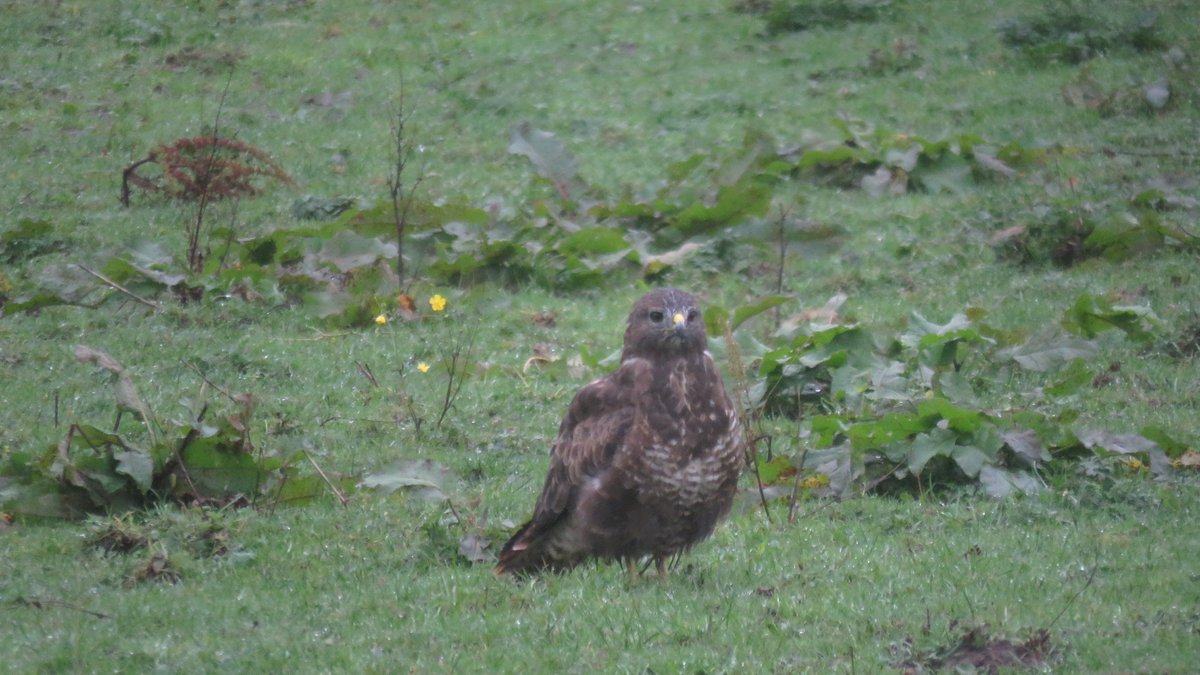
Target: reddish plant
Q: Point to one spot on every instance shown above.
(204, 168)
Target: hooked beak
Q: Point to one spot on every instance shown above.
(680, 323)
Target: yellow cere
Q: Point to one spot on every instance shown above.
(423, 367)
(678, 318)
(437, 302)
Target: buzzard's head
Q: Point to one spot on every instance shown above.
(664, 322)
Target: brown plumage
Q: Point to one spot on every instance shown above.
(647, 459)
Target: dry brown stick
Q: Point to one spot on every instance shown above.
(43, 603)
(338, 493)
(153, 305)
(740, 392)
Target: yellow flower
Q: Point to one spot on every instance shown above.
(423, 367)
(381, 319)
(437, 302)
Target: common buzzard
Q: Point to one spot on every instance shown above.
(647, 458)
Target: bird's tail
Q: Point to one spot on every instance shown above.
(528, 552)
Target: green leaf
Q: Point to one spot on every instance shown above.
(549, 156)
(348, 250)
(1000, 483)
(959, 419)
(746, 312)
(1048, 353)
(428, 480)
(715, 319)
(926, 446)
(138, 465)
(1026, 446)
(1090, 316)
(770, 471)
(594, 241)
(733, 204)
(970, 459)
(1127, 444)
(1077, 374)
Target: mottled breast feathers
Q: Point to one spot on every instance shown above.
(646, 460)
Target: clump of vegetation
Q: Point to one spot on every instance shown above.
(158, 461)
(207, 167)
(902, 412)
(1073, 34)
(1068, 232)
(790, 16)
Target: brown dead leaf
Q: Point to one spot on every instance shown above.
(827, 313)
(1188, 460)
(85, 354)
(544, 319)
(542, 355)
(1008, 233)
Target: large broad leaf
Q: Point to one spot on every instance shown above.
(1049, 353)
(1127, 444)
(1026, 446)
(426, 479)
(733, 204)
(138, 465)
(970, 459)
(549, 156)
(746, 312)
(348, 250)
(58, 285)
(999, 483)
(926, 446)
(216, 466)
(1090, 316)
(959, 419)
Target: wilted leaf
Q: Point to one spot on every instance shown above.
(746, 312)
(348, 250)
(970, 459)
(85, 354)
(926, 446)
(1026, 446)
(138, 465)
(1091, 315)
(428, 480)
(1048, 353)
(473, 547)
(1127, 444)
(999, 483)
(1157, 93)
(550, 157)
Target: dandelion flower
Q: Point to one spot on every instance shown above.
(437, 302)
(381, 319)
(423, 367)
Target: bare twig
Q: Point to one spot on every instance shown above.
(740, 392)
(456, 373)
(130, 175)
(195, 256)
(365, 371)
(403, 151)
(1070, 601)
(153, 305)
(45, 603)
(338, 493)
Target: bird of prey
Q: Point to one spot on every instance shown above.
(647, 459)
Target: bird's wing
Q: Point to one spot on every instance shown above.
(594, 430)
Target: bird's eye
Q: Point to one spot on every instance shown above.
(656, 316)
(692, 314)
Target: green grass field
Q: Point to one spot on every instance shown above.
(1096, 573)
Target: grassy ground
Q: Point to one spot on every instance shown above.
(1106, 566)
